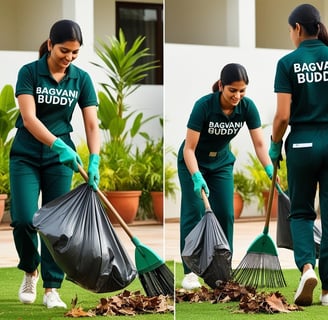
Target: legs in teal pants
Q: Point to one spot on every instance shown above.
(220, 183)
(308, 170)
(29, 176)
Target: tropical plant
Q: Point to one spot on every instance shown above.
(8, 116)
(243, 185)
(119, 166)
(261, 181)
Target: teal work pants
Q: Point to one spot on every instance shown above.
(218, 175)
(307, 167)
(34, 169)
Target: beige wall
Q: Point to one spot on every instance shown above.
(272, 21)
(196, 22)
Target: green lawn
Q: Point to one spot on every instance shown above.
(227, 311)
(12, 309)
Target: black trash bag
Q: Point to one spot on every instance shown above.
(83, 243)
(284, 235)
(207, 251)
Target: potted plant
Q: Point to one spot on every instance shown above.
(243, 191)
(262, 183)
(119, 168)
(8, 115)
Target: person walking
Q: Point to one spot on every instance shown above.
(301, 81)
(205, 161)
(43, 155)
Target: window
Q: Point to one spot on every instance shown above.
(143, 19)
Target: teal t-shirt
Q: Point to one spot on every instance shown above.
(55, 102)
(304, 74)
(217, 129)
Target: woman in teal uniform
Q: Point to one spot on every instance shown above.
(301, 84)
(205, 161)
(43, 155)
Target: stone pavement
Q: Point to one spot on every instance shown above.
(155, 236)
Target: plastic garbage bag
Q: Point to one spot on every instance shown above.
(284, 236)
(82, 241)
(207, 251)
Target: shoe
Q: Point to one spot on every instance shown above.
(27, 290)
(190, 281)
(52, 300)
(303, 296)
(324, 299)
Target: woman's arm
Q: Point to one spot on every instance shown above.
(192, 138)
(91, 129)
(31, 122)
(281, 118)
(260, 146)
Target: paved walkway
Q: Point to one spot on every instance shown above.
(155, 235)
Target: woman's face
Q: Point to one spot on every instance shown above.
(232, 93)
(62, 54)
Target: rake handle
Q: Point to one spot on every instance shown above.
(205, 200)
(271, 193)
(108, 204)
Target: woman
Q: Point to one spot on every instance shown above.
(42, 155)
(301, 84)
(205, 161)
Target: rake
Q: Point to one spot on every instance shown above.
(155, 277)
(261, 267)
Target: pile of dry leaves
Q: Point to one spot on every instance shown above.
(125, 303)
(249, 300)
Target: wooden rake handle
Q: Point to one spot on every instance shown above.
(271, 193)
(205, 200)
(108, 204)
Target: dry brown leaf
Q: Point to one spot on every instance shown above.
(276, 303)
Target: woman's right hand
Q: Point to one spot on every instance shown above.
(200, 184)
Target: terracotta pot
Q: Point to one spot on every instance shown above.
(126, 203)
(3, 198)
(157, 199)
(274, 209)
(238, 204)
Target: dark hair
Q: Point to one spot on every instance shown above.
(308, 17)
(230, 73)
(61, 31)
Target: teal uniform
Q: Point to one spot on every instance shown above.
(34, 167)
(304, 74)
(215, 162)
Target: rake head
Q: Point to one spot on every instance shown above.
(259, 270)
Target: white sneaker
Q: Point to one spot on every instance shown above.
(304, 293)
(324, 299)
(52, 300)
(27, 290)
(190, 281)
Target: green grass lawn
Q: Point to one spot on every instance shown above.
(12, 309)
(227, 311)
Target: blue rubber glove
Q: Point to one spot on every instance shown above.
(67, 155)
(275, 152)
(199, 184)
(93, 171)
(269, 170)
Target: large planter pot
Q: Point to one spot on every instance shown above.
(126, 203)
(238, 204)
(3, 198)
(157, 200)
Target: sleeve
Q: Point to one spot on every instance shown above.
(282, 82)
(197, 116)
(88, 96)
(24, 84)
(253, 119)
